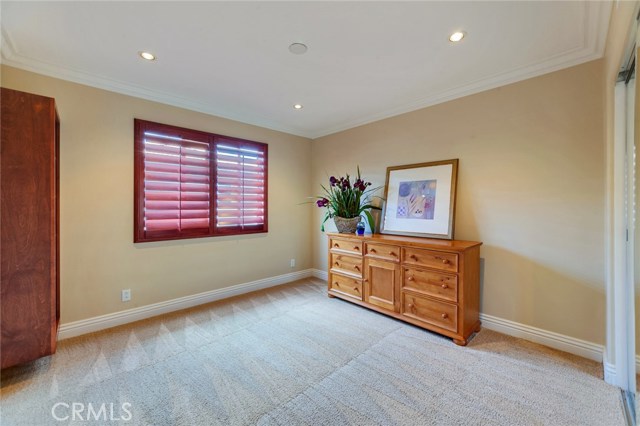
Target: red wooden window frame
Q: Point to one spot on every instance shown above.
(217, 146)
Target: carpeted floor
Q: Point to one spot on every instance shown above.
(291, 356)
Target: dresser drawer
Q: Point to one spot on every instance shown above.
(440, 314)
(351, 247)
(430, 259)
(348, 286)
(430, 283)
(346, 264)
(383, 251)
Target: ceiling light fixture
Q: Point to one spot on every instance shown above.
(297, 106)
(298, 48)
(457, 36)
(148, 56)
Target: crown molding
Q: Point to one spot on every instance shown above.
(596, 17)
(10, 55)
(595, 27)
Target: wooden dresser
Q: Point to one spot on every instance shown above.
(431, 283)
(29, 260)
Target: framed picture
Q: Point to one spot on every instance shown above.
(421, 199)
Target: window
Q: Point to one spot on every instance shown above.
(191, 184)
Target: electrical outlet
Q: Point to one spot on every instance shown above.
(292, 263)
(126, 295)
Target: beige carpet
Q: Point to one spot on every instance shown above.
(291, 356)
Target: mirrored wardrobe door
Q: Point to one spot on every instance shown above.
(626, 284)
(633, 263)
(633, 237)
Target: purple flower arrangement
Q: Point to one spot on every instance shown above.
(347, 199)
(323, 202)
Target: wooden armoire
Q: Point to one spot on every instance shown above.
(29, 227)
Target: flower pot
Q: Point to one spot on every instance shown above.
(346, 225)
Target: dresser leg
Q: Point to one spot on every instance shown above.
(331, 296)
(462, 342)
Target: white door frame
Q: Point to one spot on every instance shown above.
(620, 365)
(620, 353)
(630, 276)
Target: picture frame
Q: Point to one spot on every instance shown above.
(421, 200)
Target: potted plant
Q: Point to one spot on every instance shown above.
(346, 202)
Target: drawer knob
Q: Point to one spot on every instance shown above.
(414, 257)
(336, 284)
(410, 305)
(357, 268)
(356, 289)
(356, 248)
(410, 279)
(336, 245)
(392, 253)
(444, 286)
(372, 250)
(444, 316)
(336, 263)
(445, 261)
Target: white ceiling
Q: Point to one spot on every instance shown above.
(366, 60)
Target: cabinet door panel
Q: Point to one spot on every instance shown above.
(28, 227)
(382, 284)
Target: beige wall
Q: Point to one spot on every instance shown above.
(530, 186)
(98, 255)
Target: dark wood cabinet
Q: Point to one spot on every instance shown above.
(29, 227)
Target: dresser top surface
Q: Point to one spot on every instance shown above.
(454, 245)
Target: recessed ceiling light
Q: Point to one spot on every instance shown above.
(457, 36)
(148, 56)
(297, 48)
(297, 106)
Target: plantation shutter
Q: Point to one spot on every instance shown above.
(191, 184)
(241, 186)
(177, 184)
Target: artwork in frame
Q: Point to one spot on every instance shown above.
(421, 199)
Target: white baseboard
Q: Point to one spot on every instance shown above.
(558, 341)
(548, 338)
(610, 373)
(318, 273)
(102, 322)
